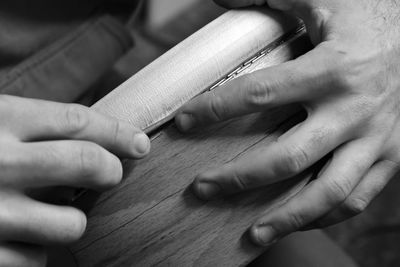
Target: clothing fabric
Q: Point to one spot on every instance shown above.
(60, 45)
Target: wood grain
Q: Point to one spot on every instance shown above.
(152, 218)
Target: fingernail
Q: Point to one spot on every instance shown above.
(263, 235)
(206, 190)
(141, 143)
(185, 121)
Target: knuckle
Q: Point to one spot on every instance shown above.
(363, 109)
(102, 170)
(10, 163)
(76, 118)
(335, 68)
(338, 190)
(90, 157)
(320, 135)
(346, 69)
(355, 205)
(337, 77)
(359, 165)
(294, 160)
(117, 131)
(217, 106)
(296, 220)
(238, 182)
(257, 93)
(344, 80)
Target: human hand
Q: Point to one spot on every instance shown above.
(350, 87)
(46, 144)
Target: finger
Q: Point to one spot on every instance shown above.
(33, 120)
(348, 166)
(291, 154)
(22, 255)
(60, 163)
(295, 81)
(25, 220)
(369, 187)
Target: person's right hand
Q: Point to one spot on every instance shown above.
(45, 144)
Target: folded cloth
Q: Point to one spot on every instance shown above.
(54, 49)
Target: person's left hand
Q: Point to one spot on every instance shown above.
(350, 86)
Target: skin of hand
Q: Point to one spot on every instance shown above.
(46, 144)
(350, 87)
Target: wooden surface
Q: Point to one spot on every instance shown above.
(152, 219)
